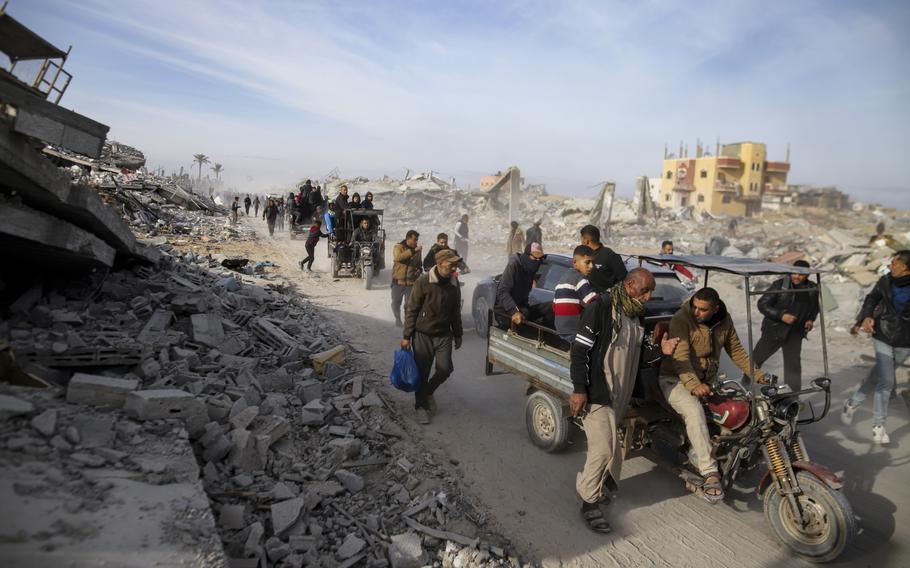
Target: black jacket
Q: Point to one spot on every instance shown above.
(516, 283)
(341, 203)
(587, 367)
(429, 261)
(434, 307)
(891, 327)
(803, 305)
(608, 270)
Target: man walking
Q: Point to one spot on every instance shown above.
(432, 326)
(235, 210)
(703, 327)
(534, 234)
(246, 204)
(442, 243)
(405, 271)
(608, 266)
(607, 352)
(271, 215)
(885, 315)
(256, 207)
(788, 318)
(460, 239)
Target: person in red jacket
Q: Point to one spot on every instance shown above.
(311, 241)
(666, 247)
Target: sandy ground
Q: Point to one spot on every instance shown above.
(531, 494)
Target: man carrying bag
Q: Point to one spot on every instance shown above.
(432, 324)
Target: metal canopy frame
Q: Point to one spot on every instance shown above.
(748, 268)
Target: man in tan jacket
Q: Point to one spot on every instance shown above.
(406, 269)
(703, 327)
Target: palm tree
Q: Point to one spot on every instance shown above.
(200, 159)
(217, 168)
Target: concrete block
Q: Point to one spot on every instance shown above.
(163, 403)
(250, 452)
(309, 390)
(313, 414)
(96, 390)
(350, 447)
(276, 549)
(350, 547)
(251, 546)
(245, 417)
(273, 427)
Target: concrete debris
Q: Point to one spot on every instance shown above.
(11, 406)
(97, 390)
(406, 551)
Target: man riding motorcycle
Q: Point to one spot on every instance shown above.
(703, 327)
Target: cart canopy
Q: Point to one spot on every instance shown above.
(728, 264)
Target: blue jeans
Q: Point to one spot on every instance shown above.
(881, 380)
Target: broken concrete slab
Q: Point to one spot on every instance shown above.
(31, 236)
(232, 516)
(309, 390)
(351, 481)
(351, 546)
(45, 423)
(11, 406)
(333, 355)
(285, 514)
(97, 390)
(163, 403)
(208, 329)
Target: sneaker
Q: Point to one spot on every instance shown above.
(879, 436)
(846, 415)
(301, 265)
(422, 416)
(431, 404)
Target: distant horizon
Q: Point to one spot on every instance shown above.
(573, 94)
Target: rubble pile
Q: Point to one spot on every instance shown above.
(303, 461)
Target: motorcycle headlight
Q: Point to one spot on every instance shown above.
(788, 411)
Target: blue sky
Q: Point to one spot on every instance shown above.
(574, 93)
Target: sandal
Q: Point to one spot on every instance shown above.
(594, 518)
(715, 486)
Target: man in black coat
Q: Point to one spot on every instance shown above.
(514, 288)
(788, 318)
(885, 315)
(608, 266)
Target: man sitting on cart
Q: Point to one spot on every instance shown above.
(703, 327)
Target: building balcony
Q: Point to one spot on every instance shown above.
(778, 188)
(777, 167)
(726, 186)
(685, 188)
(729, 162)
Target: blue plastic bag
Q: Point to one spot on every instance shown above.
(404, 375)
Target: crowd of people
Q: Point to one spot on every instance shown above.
(596, 313)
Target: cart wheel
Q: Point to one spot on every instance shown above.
(547, 427)
(336, 266)
(367, 277)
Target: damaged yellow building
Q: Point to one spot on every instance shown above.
(730, 182)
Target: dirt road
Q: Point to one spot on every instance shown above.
(480, 426)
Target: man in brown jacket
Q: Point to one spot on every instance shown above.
(432, 324)
(405, 271)
(703, 327)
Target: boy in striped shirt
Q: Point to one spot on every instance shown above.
(573, 293)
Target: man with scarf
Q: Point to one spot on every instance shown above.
(608, 351)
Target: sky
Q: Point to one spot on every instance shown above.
(573, 93)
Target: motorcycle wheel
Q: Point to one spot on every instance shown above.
(831, 523)
(547, 426)
(367, 277)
